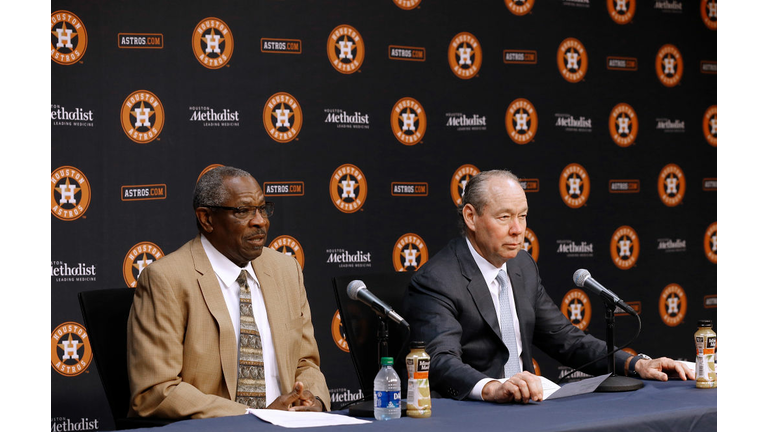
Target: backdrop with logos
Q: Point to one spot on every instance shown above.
(363, 120)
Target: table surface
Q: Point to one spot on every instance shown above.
(659, 406)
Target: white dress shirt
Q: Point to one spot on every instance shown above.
(227, 273)
(490, 272)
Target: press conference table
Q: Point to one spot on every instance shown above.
(659, 406)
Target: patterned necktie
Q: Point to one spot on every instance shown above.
(507, 327)
(251, 387)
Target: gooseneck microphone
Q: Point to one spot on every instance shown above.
(582, 279)
(356, 290)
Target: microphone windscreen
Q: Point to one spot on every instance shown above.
(580, 276)
(354, 287)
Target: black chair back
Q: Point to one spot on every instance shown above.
(105, 315)
(361, 325)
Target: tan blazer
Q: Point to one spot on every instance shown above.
(182, 349)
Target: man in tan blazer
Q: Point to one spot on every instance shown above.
(182, 340)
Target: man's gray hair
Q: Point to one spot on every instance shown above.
(476, 192)
(209, 190)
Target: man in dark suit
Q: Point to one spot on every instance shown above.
(480, 299)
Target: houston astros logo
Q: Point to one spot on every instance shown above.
(137, 259)
(70, 193)
(521, 121)
(212, 43)
(671, 185)
(669, 65)
(519, 7)
(574, 185)
(709, 13)
(348, 188)
(142, 116)
(68, 38)
(465, 55)
(407, 4)
(577, 308)
(409, 121)
(460, 179)
(673, 304)
(289, 246)
(572, 60)
(710, 243)
(623, 125)
(337, 331)
(710, 125)
(531, 244)
(282, 117)
(70, 349)
(409, 253)
(621, 11)
(346, 50)
(625, 247)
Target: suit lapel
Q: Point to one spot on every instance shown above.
(524, 309)
(477, 287)
(214, 299)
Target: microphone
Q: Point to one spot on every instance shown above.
(582, 278)
(356, 290)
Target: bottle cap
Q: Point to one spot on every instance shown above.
(705, 323)
(417, 345)
(387, 361)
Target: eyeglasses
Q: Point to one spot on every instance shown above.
(249, 212)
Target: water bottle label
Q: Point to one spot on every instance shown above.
(387, 399)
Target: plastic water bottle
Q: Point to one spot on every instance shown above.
(386, 392)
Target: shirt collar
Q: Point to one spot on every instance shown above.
(225, 269)
(488, 270)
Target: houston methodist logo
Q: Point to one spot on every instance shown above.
(673, 304)
(282, 117)
(348, 188)
(710, 243)
(521, 121)
(625, 247)
(577, 308)
(70, 193)
(337, 331)
(623, 125)
(465, 55)
(410, 253)
(621, 11)
(671, 185)
(142, 116)
(709, 13)
(68, 38)
(346, 49)
(137, 259)
(572, 60)
(289, 246)
(519, 7)
(574, 185)
(70, 349)
(531, 244)
(669, 65)
(710, 125)
(409, 121)
(459, 180)
(212, 43)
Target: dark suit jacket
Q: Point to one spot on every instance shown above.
(450, 308)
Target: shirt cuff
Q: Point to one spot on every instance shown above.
(477, 390)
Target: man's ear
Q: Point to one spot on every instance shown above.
(469, 213)
(204, 217)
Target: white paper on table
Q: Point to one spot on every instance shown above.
(554, 391)
(298, 419)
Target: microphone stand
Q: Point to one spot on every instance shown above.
(614, 383)
(365, 408)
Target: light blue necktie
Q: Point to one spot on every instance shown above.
(507, 327)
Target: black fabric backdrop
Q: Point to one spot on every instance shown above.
(346, 119)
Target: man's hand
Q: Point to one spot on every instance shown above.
(297, 400)
(654, 369)
(521, 388)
